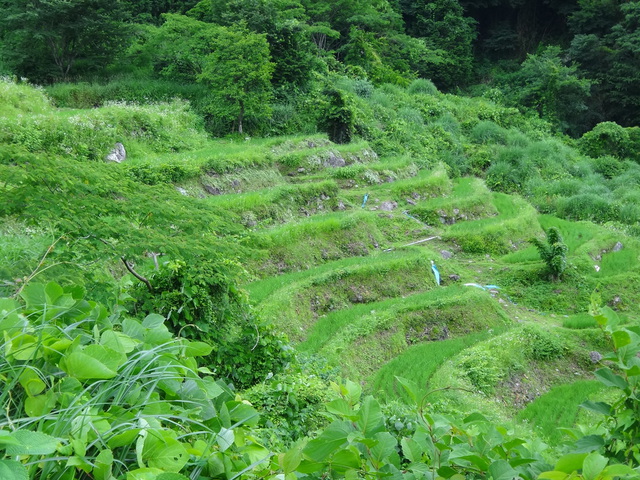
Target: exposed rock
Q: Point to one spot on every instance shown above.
(341, 206)
(617, 247)
(388, 206)
(446, 254)
(454, 277)
(301, 170)
(595, 356)
(118, 154)
(410, 202)
(182, 191)
(334, 161)
(211, 190)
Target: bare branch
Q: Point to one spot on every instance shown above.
(136, 274)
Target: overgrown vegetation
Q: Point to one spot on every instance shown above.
(386, 239)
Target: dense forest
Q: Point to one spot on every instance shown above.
(311, 240)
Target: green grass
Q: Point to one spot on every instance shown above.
(515, 223)
(261, 289)
(579, 321)
(558, 408)
(361, 340)
(419, 362)
(469, 200)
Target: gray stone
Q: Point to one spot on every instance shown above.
(617, 247)
(334, 161)
(388, 206)
(182, 191)
(211, 190)
(118, 154)
(341, 206)
(410, 202)
(454, 277)
(446, 254)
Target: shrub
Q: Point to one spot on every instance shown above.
(88, 393)
(488, 132)
(202, 302)
(422, 86)
(606, 138)
(553, 252)
(541, 344)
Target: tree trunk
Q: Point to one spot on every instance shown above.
(240, 117)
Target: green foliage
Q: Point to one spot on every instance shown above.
(291, 404)
(607, 138)
(444, 26)
(201, 301)
(555, 90)
(238, 72)
(46, 40)
(422, 86)
(89, 392)
(541, 344)
(619, 441)
(553, 252)
(338, 118)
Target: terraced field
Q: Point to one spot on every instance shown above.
(347, 244)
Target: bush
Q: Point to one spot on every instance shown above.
(202, 302)
(90, 394)
(606, 138)
(422, 86)
(541, 344)
(553, 252)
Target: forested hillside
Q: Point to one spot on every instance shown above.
(306, 240)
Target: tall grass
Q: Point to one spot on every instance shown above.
(419, 362)
(558, 409)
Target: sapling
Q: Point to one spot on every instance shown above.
(553, 252)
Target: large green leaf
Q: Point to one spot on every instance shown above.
(344, 460)
(32, 443)
(334, 436)
(570, 463)
(144, 474)
(171, 476)
(593, 465)
(118, 341)
(598, 407)
(83, 367)
(103, 463)
(610, 379)
(164, 452)
(12, 470)
(40, 405)
(501, 470)
(290, 460)
(588, 444)
(385, 446)
(34, 296)
(342, 408)
(370, 421)
(10, 321)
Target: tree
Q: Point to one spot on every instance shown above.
(338, 118)
(555, 90)
(444, 27)
(553, 252)
(47, 40)
(283, 22)
(238, 71)
(607, 48)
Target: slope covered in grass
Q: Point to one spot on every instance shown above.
(334, 245)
